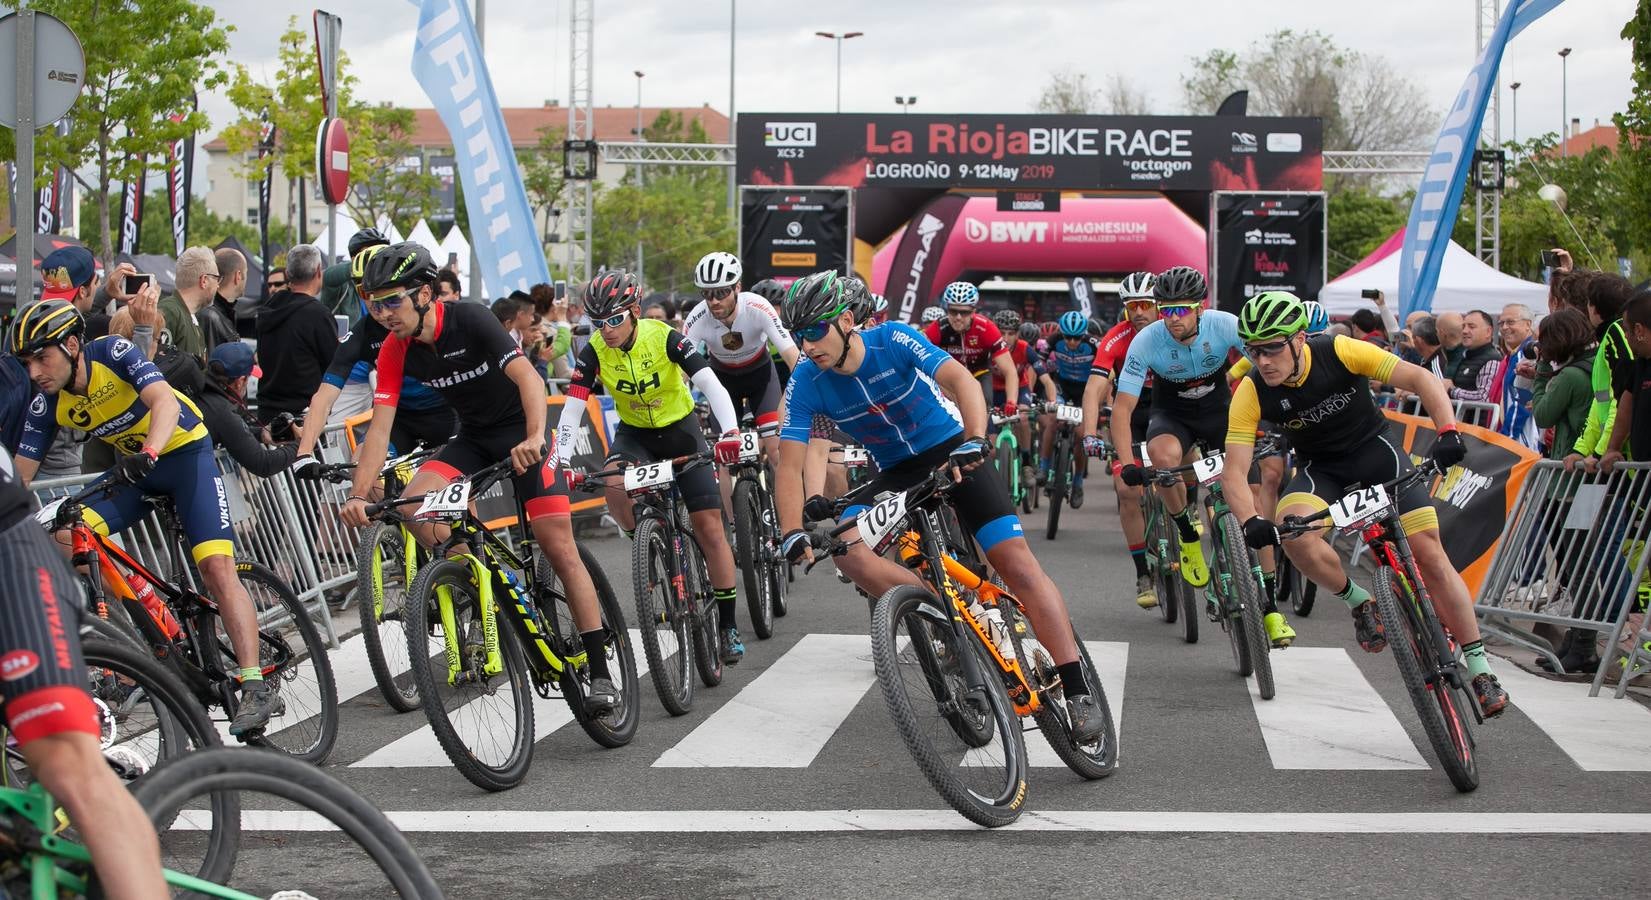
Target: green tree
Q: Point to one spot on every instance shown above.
(1592, 225)
(1357, 221)
(206, 228)
(396, 185)
(145, 61)
(1068, 93)
(1634, 137)
(542, 175)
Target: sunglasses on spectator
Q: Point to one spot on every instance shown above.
(277, 285)
(1175, 311)
(811, 333)
(1270, 349)
(716, 293)
(615, 320)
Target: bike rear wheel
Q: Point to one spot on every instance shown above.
(662, 617)
(484, 723)
(1302, 589)
(1059, 475)
(309, 726)
(617, 727)
(755, 560)
(1436, 702)
(1003, 459)
(1094, 760)
(1248, 624)
(1163, 577)
(989, 788)
(381, 584)
(707, 624)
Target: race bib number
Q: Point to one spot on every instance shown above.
(1359, 507)
(48, 513)
(856, 456)
(883, 522)
(446, 502)
(648, 476)
(1141, 455)
(748, 446)
(1208, 469)
(1070, 415)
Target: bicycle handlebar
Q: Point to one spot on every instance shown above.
(1293, 525)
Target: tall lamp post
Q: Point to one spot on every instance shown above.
(839, 38)
(1564, 101)
(1515, 89)
(639, 74)
(905, 103)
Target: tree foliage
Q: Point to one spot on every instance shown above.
(206, 228)
(145, 61)
(1634, 136)
(1357, 221)
(542, 174)
(1068, 93)
(1592, 225)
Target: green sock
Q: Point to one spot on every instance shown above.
(629, 533)
(1353, 595)
(725, 606)
(251, 673)
(1474, 655)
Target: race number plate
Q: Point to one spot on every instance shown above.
(48, 513)
(443, 503)
(748, 446)
(1071, 415)
(648, 477)
(1208, 469)
(1358, 508)
(883, 522)
(856, 456)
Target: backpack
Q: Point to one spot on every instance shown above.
(181, 370)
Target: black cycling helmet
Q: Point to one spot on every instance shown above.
(366, 237)
(820, 297)
(1030, 332)
(45, 324)
(610, 292)
(1007, 321)
(1180, 284)
(396, 268)
(770, 290)
(858, 298)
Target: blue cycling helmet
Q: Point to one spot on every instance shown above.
(1318, 320)
(960, 293)
(1074, 324)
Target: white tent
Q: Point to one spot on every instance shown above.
(347, 229)
(1465, 283)
(422, 235)
(454, 246)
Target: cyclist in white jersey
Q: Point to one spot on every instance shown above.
(736, 328)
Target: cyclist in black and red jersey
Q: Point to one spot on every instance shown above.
(461, 351)
(1029, 369)
(975, 342)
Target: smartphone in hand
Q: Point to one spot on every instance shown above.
(135, 284)
(1550, 259)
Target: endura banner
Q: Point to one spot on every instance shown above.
(791, 233)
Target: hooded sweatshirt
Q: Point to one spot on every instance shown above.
(296, 341)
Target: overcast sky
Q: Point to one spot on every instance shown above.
(954, 56)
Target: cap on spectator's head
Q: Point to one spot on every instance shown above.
(65, 271)
(234, 359)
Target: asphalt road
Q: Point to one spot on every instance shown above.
(790, 780)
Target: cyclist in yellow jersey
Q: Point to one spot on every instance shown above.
(108, 388)
(642, 364)
(1317, 391)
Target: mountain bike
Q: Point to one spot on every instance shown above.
(1423, 649)
(1006, 458)
(1061, 477)
(39, 860)
(1233, 598)
(181, 628)
(476, 693)
(959, 665)
(757, 532)
(675, 607)
(1177, 600)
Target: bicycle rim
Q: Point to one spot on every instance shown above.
(484, 723)
(1242, 569)
(755, 559)
(1057, 489)
(617, 727)
(1442, 722)
(381, 598)
(309, 725)
(989, 787)
(663, 621)
(707, 634)
(1094, 760)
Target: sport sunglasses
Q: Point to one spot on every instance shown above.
(1273, 348)
(811, 333)
(1177, 310)
(388, 301)
(615, 320)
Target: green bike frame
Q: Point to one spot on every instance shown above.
(1011, 478)
(409, 565)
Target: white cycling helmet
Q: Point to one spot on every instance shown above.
(717, 270)
(1136, 286)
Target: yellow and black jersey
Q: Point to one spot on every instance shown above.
(1328, 410)
(111, 408)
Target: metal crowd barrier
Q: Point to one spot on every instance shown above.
(1572, 555)
(1468, 412)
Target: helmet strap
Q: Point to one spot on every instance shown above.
(841, 357)
(1295, 358)
(422, 311)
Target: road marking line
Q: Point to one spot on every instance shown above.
(784, 717)
(1111, 662)
(716, 820)
(1600, 734)
(1327, 716)
(352, 674)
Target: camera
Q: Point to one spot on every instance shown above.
(1550, 259)
(1370, 294)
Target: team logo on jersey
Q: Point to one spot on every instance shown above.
(120, 348)
(38, 407)
(17, 664)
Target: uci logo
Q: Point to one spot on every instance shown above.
(789, 134)
(625, 386)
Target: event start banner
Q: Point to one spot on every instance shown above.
(1475, 499)
(1265, 242)
(791, 233)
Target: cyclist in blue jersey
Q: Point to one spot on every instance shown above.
(1188, 353)
(915, 408)
(1070, 362)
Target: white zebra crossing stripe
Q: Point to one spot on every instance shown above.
(352, 674)
(795, 707)
(1111, 660)
(1327, 716)
(1599, 734)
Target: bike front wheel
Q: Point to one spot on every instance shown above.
(754, 557)
(1094, 760)
(1248, 624)
(989, 788)
(1437, 704)
(381, 584)
(303, 680)
(707, 631)
(1059, 481)
(617, 727)
(662, 616)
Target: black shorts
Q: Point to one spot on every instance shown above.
(680, 438)
(1070, 391)
(980, 499)
(42, 674)
(755, 390)
(541, 491)
(1207, 428)
(1321, 482)
(431, 427)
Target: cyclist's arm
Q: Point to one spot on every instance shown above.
(163, 415)
(532, 389)
(1243, 416)
(1123, 435)
(788, 484)
(1050, 391)
(584, 375)
(1094, 397)
(1005, 365)
(964, 390)
(370, 454)
(777, 336)
(815, 465)
(315, 417)
(1422, 383)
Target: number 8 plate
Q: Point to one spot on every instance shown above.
(1359, 507)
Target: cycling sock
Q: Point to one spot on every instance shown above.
(1474, 655)
(725, 606)
(1183, 521)
(1269, 593)
(1353, 595)
(629, 533)
(1072, 679)
(596, 651)
(251, 673)
(1138, 556)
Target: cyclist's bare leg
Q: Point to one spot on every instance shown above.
(1167, 453)
(872, 573)
(224, 585)
(836, 480)
(125, 852)
(619, 503)
(1046, 448)
(1130, 513)
(713, 542)
(555, 536)
(1445, 585)
(1312, 554)
(424, 482)
(1014, 561)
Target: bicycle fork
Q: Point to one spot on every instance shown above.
(459, 653)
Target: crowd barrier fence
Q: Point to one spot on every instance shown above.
(1468, 412)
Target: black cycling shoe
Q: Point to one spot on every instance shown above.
(1492, 697)
(1368, 628)
(1085, 716)
(259, 704)
(602, 699)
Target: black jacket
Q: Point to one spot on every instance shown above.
(218, 323)
(232, 429)
(296, 341)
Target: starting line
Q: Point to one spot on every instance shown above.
(712, 821)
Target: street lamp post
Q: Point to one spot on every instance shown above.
(905, 103)
(639, 74)
(839, 38)
(1564, 101)
(1515, 89)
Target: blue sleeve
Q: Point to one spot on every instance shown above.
(359, 373)
(39, 428)
(1224, 327)
(801, 399)
(907, 342)
(127, 361)
(1134, 374)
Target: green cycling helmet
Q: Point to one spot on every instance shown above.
(1271, 315)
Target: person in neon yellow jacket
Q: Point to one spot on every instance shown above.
(1606, 294)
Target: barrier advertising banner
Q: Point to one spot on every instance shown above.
(1265, 242)
(791, 233)
(1027, 152)
(1475, 499)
